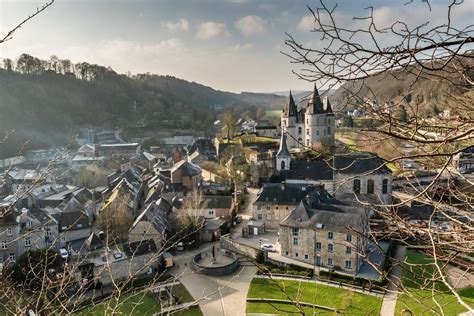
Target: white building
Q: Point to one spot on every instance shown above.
(311, 126)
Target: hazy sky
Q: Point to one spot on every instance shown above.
(231, 45)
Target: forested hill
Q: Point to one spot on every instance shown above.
(46, 102)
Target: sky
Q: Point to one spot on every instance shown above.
(231, 45)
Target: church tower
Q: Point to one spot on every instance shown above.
(319, 121)
(283, 157)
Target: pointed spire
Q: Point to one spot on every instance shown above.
(328, 106)
(290, 109)
(315, 106)
(283, 150)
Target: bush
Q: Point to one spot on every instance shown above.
(348, 279)
(260, 257)
(288, 269)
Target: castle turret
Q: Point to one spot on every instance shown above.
(290, 120)
(319, 121)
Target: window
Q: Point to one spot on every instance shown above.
(11, 257)
(295, 241)
(329, 130)
(356, 186)
(286, 253)
(329, 261)
(9, 231)
(385, 186)
(348, 264)
(318, 246)
(296, 254)
(29, 224)
(268, 207)
(300, 130)
(3, 244)
(306, 257)
(348, 237)
(27, 241)
(259, 208)
(211, 212)
(63, 238)
(276, 216)
(307, 142)
(370, 186)
(307, 121)
(48, 232)
(295, 231)
(348, 250)
(330, 248)
(269, 216)
(259, 216)
(317, 133)
(282, 165)
(330, 235)
(307, 131)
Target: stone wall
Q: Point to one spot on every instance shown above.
(227, 243)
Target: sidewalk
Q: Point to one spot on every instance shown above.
(390, 299)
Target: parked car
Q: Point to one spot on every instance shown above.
(118, 255)
(63, 253)
(180, 246)
(268, 247)
(238, 219)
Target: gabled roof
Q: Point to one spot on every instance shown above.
(218, 202)
(73, 205)
(327, 213)
(290, 109)
(189, 169)
(72, 221)
(93, 242)
(157, 214)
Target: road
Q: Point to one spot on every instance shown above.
(246, 213)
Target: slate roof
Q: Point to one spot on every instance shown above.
(189, 169)
(204, 146)
(93, 242)
(218, 201)
(75, 220)
(331, 217)
(315, 105)
(157, 214)
(304, 170)
(283, 150)
(141, 247)
(359, 163)
(278, 193)
(290, 109)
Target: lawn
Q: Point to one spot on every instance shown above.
(422, 303)
(351, 303)
(139, 303)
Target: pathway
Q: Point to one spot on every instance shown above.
(390, 299)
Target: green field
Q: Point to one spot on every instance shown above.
(139, 303)
(420, 292)
(273, 113)
(351, 303)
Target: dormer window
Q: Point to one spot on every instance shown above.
(9, 231)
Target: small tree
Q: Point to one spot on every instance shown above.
(228, 123)
(115, 219)
(260, 257)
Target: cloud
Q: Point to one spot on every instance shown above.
(251, 25)
(306, 23)
(181, 24)
(208, 30)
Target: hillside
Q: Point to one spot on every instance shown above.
(46, 107)
(427, 91)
